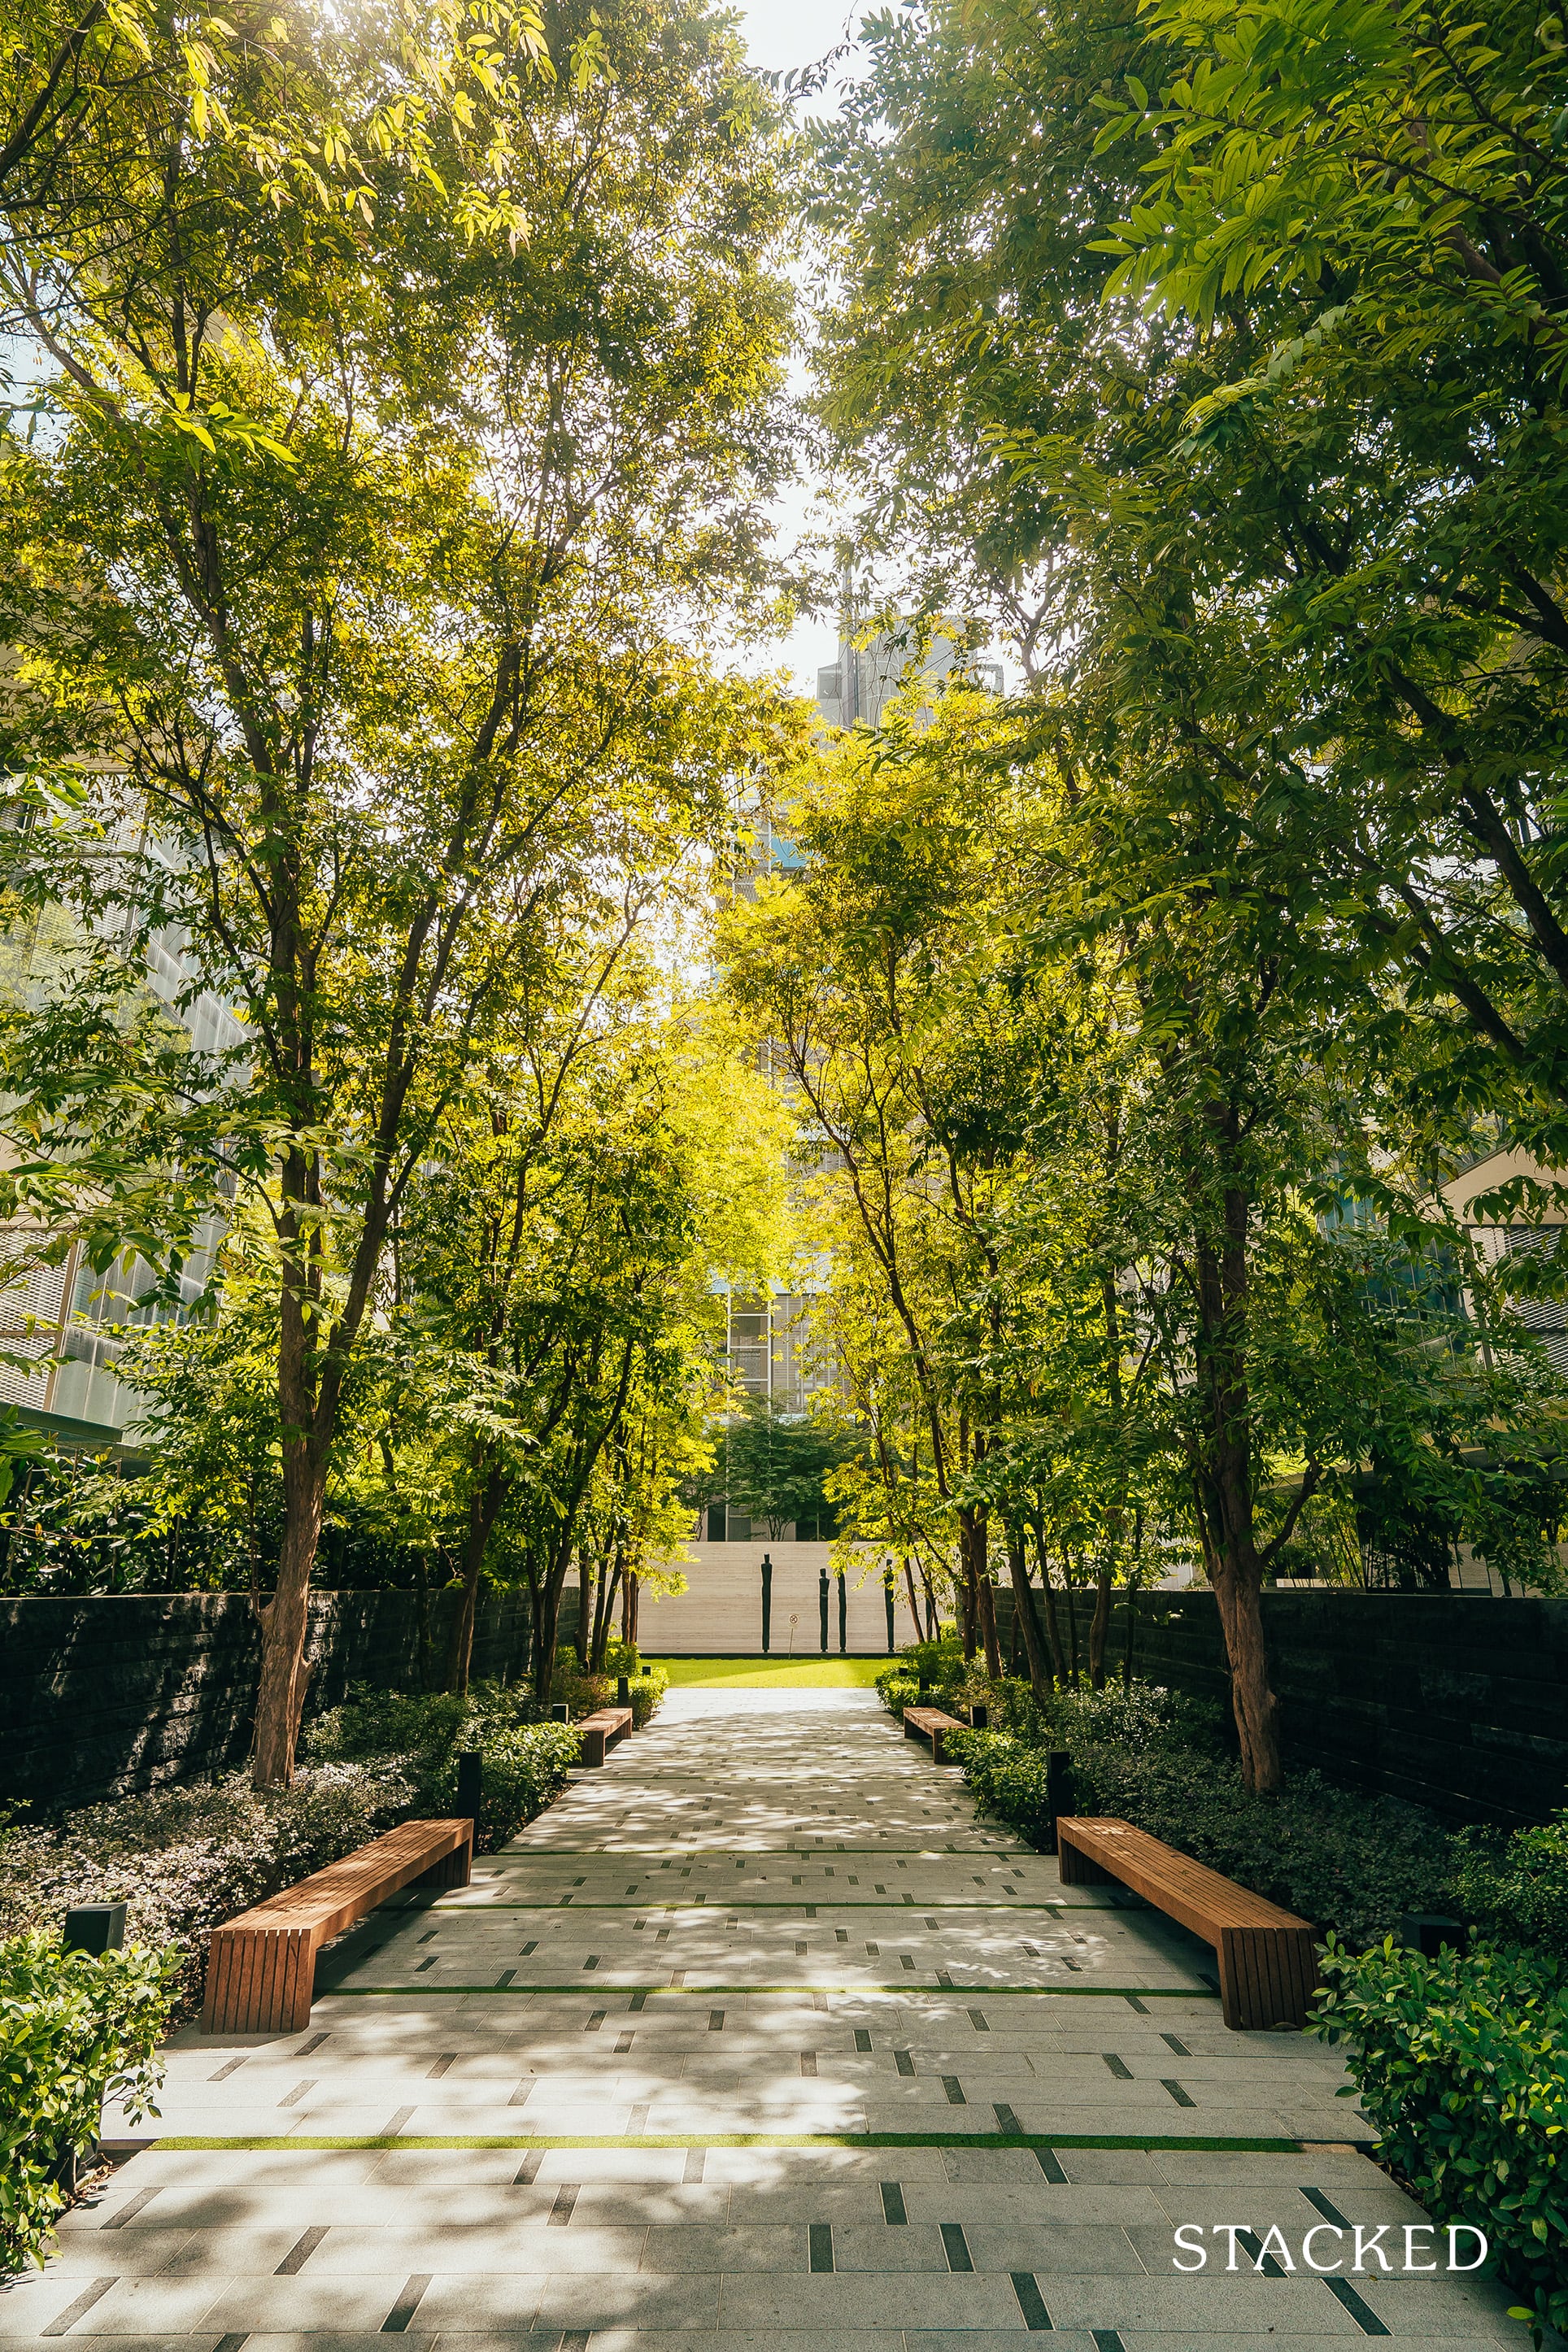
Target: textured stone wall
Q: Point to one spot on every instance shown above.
(101, 1695)
(1458, 1701)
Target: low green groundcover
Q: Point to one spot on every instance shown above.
(184, 1859)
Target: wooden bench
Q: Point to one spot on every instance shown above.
(602, 1731)
(931, 1723)
(1267, 1959)
(261, 1967)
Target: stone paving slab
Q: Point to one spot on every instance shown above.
(847, 2122)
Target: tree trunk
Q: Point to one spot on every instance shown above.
(280, 1699)
(1024, 1614)
(1071, 1598)
(985, 1604)
(551, 1586)
(422, 1619)
(1099, 1626)
(1053, 1629)
(586, 1582)
(544, 1640)
(603, 1616)
(933, 1615)
(963, 1586)
(1252, 1699)
(485, 1498)
(1134, 1581)
(1225, 1489)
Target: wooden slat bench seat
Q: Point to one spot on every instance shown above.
(602, 1731)
(261, 1967)
(931, 1723)
(1268, 1960)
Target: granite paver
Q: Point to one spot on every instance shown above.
(758, 2038)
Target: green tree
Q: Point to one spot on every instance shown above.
(558, 1260)
(345, 594)
(772, 1465)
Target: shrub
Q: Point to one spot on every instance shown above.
(955, 1682)
(897, 1688)
(183, 1860)
(524, 1769)
(378, 1723)
(1462, 2063)
(649, 1684)
(940, 1662)
(74, 2030)
(582, 1692)
(1010, 1779)
(1514, 1888)
(1141, 1719)
(1341, 1860)
(526, 1762)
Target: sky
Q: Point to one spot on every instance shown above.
(785, 33)
(781, 34)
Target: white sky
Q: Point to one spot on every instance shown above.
(782, 34)
(785, 33)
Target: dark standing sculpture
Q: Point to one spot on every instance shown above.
(887, 1597)
(843, 1617)
(822, 1605)
(767, 1602)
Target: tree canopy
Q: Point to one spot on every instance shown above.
(399, 410)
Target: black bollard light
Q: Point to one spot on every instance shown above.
(1058, 1789)
(560, 1712)
(470, 1783)
(95, 1927)
(1428, 1931)
(622, 1690)
(979, 1718)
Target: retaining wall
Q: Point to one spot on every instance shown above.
(103, 1695)
(1457, 1701)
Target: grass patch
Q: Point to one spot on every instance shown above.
(832, 1673)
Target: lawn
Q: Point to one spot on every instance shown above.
(817, 1672)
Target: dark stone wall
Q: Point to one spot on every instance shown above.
(100, 1696)
(1457, 1701)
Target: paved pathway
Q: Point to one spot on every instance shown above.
(723, 2053)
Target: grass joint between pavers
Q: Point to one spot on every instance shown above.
(180, 2143)
(842, 1993)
